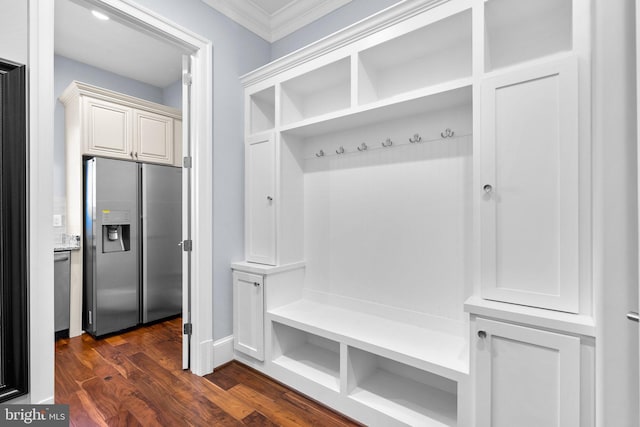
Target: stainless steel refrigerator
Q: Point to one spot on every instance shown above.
(132, 260)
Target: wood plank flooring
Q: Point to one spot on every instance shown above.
(136, 379)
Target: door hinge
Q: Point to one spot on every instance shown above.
(186, 79)
(188, 329)
(187, 245)
(187, 162)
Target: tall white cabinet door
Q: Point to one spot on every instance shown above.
(529, 204)
(526, 377)
(248, 309)
(260, 204)
(154, 137)
(108, 129)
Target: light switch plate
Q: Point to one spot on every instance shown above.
(57, 220)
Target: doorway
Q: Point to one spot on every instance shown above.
(196, 106)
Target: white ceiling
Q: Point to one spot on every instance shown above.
(275, 19)
(114, 46)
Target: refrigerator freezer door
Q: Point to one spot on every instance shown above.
(161, 231)
(113, 276)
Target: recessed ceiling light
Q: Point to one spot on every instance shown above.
(101, 16)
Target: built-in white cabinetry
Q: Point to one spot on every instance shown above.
(260, 189)
(153, 137)
(525, 376)
(433, 154)
(248, 314)
(530, 180)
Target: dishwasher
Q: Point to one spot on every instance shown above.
(61, 274)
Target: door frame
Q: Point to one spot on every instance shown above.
(41, 112)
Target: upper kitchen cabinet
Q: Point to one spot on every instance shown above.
(109, 124)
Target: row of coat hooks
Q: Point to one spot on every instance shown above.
(388, 143)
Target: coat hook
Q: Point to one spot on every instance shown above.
(416, 138)
(320, 153)
(340, 150)
(362, 147)
(387, 143)
(448, 133)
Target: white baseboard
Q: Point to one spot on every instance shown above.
(223, 351)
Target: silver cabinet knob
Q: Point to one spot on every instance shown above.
(632, 315)
(482, 334)
(487, 188)
(256, 284)
(269, 198)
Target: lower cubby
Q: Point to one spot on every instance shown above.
(311, 356)
(408, 394)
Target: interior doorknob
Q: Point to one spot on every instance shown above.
(487, 188)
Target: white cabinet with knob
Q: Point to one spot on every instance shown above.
(530, 184)
(260, 225)
(248, 314)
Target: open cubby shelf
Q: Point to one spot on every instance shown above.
(326, 89)
(438, 97)
(432, 350)
(434, 54)
(262, 110)
(311, 356)
(410, 395)
(522, 30)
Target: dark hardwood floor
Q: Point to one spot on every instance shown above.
(136, 379)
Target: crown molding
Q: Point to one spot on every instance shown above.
(279, 24)
(386, 18)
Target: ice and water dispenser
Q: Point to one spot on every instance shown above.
(116, 231)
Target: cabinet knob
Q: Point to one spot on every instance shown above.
(136, 155)
(487, 188)
(131, 154)
(482, 334)
(269, 198)
(256, 284)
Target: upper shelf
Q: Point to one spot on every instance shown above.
(323, 90)
(262, 110)
(433, 54)
(439, 97)
(521, 30)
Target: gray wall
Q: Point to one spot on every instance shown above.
(328, 24)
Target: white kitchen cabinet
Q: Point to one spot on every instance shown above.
(153, 137)
(526, 377)
(103, 123)
(530, 186)
(260, 227)
(108, 129)
(248, 314)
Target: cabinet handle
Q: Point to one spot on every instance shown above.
(487, 188)
(131, 154)
(632, 315)
(256, 284)
(482, 334)
(136, 155)
(269, 198)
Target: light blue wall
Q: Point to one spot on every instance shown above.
(172, 95)
(328, 24)
(236, 51)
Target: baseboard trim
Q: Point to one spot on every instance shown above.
(223, 351)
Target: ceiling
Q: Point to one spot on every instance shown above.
(114, 46)
(275, 19)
